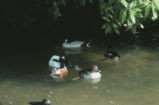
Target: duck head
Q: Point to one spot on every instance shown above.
(109, 49)
(93, 68)
(66, 40)
(62, 55)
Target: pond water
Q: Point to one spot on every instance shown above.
(131, 81)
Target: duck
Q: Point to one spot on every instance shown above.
(59, 65)
(43, 102)
(73, 44)
(54, 62)
(92, 73)
(58, 61)
(59, 73)
(112, 54)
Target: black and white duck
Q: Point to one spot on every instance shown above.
(112, 54)
(43, 102)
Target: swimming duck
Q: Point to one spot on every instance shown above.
(111, 54)
(59, 73)
(92, 73)
(58, 65)
(44, 102)
(54, 61)
(58, 61)
(74, 44)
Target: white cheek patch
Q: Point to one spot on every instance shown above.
(63, 57)
(47, 102)
(110, 54)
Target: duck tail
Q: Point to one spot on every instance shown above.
(77, 68)
(116, 58)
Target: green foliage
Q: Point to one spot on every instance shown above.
(116, 14)
(128, 13)
(121, 13)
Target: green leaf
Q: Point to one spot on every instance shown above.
(123, 15)
(140, 15)
(156, 4)
(154, 12)
(129, 23)
(147, 11)
(139, 1)
(115, 28)
(108, 30)
(110, 9)
(137, 9)
(132, 17)
(141, 25)
(103, 26)
(106, 18)
(102, 8)
(116, 31)
(133, 29)
(125, 4)
(115, 25)
(132, 4)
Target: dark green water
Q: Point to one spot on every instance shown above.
(131, 81)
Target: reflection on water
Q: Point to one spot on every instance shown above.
(131, 81)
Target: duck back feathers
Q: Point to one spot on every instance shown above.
(43, 102)
(112, 54)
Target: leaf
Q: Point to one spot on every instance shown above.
(140, 15)
(132, 4)
(108, 30)
(147, 11)
(115, 25)
(139, 1)
(154, 12)
(106, 18)
(102, 8)
(141, 25)
(137, 9)
(133, 29)
(103, 26)
(117, 31)
(123, 15)
(129, 23)
(111, 9)
(156, 4)
(132, 17)
(119, 23)
(125, 4)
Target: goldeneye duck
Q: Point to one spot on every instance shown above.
(58, 61)
(59, 73)
(43, 102)
(92, 73)
(73, 44)
(111, 54)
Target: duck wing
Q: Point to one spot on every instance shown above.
(83, 73)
